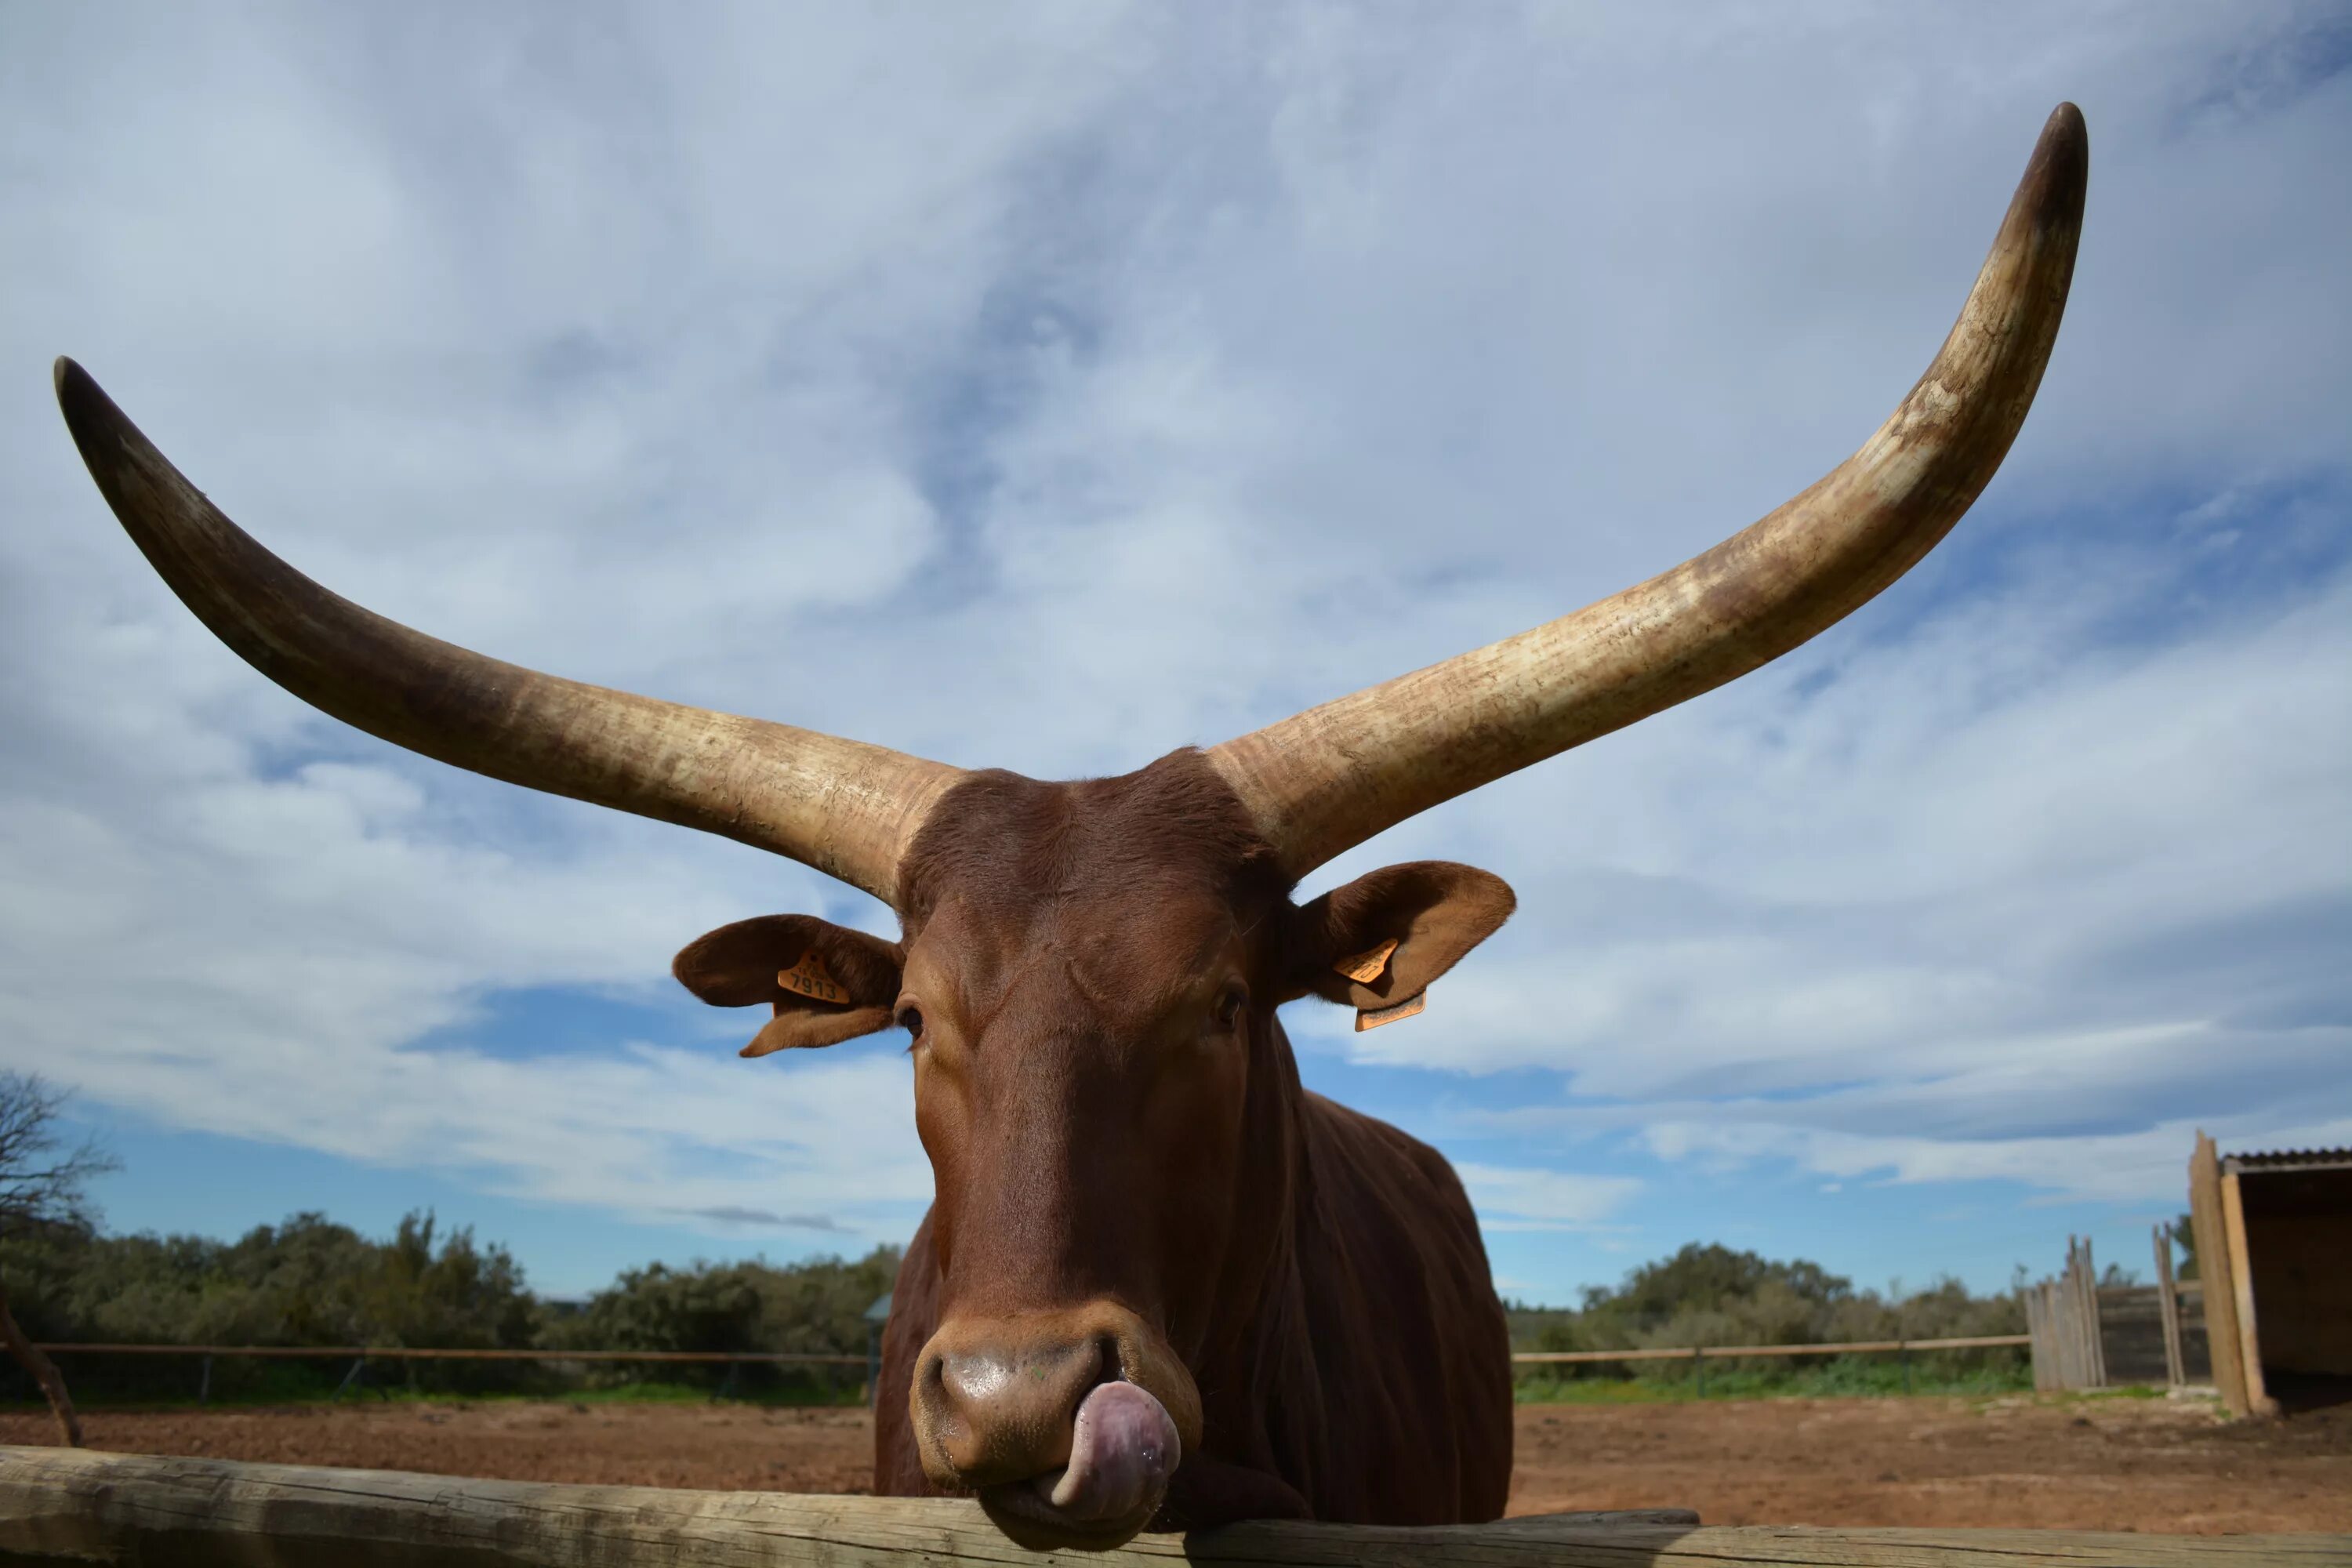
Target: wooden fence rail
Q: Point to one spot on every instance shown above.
(1698, 1355)
(1732, 1352)
(406, 1353)
(410, 1352)
(360, 1355)
(71, 1506)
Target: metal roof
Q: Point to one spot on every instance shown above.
(2291, 1160)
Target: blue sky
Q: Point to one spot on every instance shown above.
(1050, 387)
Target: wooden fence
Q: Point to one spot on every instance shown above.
(65, 1506)
(2062, 1317)
(870, 1363)
(2088, 1335)
(1523, 1358)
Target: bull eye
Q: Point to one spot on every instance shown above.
(910, 1019)
(1227, 1013)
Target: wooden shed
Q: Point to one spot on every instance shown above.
(2274, 1250)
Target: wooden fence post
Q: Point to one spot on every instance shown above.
(2213, 1271)
(2176, 1363)
(2242, 1282)
(2084, 1278)
(2044, 1353)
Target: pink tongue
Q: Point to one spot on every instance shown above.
(1121, 1455)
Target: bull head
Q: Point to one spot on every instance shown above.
(1090, 971)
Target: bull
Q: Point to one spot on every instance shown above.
(1160, 1283)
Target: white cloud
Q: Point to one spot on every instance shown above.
(1514, 1198)
(1049, 388)
(2117, 1167)
(1803, 877)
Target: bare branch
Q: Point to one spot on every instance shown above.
(43, 1183)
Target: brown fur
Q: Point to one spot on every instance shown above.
(1102, 1143)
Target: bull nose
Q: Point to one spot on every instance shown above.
(1002, 1406)
(996, 1400)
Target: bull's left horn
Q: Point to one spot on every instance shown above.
(845, 809)
(1333, 776)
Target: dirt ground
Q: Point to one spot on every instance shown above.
(2105, 1464)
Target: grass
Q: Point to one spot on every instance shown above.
(667, 1394)
(246, 1384)
(1844, 1377)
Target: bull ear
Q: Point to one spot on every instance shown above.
(1377, 944)
(827, 983)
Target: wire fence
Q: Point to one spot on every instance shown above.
(1697, 1356)
(427, 1352)
(1722, 1352)
(807, 1375)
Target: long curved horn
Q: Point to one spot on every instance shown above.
(845, 809)
(1333, 776)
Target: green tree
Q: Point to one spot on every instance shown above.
(816, 1308)
(1713, 1295)
(44, 1198)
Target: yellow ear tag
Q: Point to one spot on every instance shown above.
(809, 978)
(1367, 966)
(1373, 1017)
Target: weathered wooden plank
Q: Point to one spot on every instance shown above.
(2242, 1285)
(68, 1506)
(2086, 1291)
(2220, 1299)
(2046, 1346)
(2176, 1366)
(2065, 1325)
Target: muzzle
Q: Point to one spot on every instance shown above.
(1068, 1425)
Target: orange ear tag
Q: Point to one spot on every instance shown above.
(809, 978)
(1367, 966)
(1373, 1017)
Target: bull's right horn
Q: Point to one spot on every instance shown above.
(845, 809)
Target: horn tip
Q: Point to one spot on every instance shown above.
(82, 401)
(2061, 166)
(73, 384)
